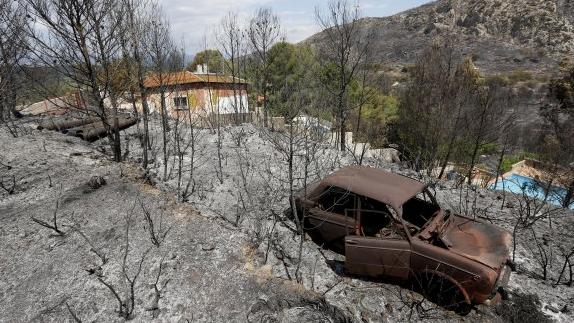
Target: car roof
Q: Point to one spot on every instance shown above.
(386, 187)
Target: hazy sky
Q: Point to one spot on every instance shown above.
(192, 19)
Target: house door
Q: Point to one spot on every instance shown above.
(376, 257)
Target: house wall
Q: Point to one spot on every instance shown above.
(203, 100)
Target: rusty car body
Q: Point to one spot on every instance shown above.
(390, 226)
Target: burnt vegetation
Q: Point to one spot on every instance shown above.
(53, 224)
(436, 115)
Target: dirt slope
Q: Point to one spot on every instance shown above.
(214, 271)
(210, 270)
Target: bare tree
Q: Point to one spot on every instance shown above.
(80, 42)
(506, 144)
(232, 42)
(542, 250)
(531, 208)
(191, 153)
(213, 114)
(246, 202)
(455, 98)
(124, 291)
(139, 14)
(486, 119)
(432, 106)
(264, 30)
(14, 48)
(161, 49)
(342, 52)
(556, 144)
(187, 140)
(367, 129)
(299, 148)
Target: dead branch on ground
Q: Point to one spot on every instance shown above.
(54, 225)
(73, 314)
(97, 251)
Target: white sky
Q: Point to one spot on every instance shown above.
(194, 20)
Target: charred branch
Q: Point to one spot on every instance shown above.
(158, 289)
(568, 264)
(54, 225)
(157, 231)
(73, 314)
(97, 251)
(126, 305)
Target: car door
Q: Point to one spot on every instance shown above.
(333, 217)
(330, 227)
(377, 257)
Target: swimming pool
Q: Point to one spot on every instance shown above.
(517, 184)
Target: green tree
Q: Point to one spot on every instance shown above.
(212, 57)
(381, 108)
(289, 65)
(373, 113)
(345, 50)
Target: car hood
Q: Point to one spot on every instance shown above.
(483, 242)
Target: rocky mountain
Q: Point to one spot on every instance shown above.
(522, 41)
(501, 35)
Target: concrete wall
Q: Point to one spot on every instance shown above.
(359, 150)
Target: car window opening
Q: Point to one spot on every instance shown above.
(337, 200)
(377, 220)
(419, 210)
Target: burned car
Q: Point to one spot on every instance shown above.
(390, 226)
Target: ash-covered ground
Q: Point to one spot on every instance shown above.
(228, 255)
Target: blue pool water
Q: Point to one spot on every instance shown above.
(517, 184)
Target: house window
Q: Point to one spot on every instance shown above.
(180, 102)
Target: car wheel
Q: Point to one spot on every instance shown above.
(445, 293)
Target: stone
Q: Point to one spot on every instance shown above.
(96, 182)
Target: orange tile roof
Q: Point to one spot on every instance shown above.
(186, 77)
